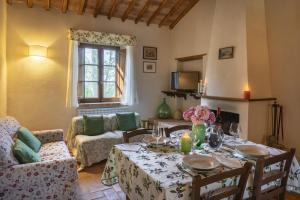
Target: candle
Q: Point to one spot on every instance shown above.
(186, 143)
(247, 94)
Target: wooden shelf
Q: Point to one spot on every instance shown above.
(190, 58)
(197, 96)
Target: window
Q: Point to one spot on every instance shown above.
(101, 73)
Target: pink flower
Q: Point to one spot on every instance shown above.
(199, 115)
(188, 114)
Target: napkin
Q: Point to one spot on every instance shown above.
(129, 147)
(228, 162)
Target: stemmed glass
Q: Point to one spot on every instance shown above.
(195, 140)
(215, 137)
(235, 130)
(157, 134)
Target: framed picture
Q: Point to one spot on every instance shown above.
(149, 67)
(150, 53)
(226, 53)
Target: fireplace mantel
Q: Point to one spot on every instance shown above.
(196, 96)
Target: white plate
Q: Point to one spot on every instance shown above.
(252, 150)
(149, 139)
(200, 162)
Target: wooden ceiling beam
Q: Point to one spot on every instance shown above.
(128, 10)
(112, 9)
(98, 7)
(30, 3)
(183, 13)
(142, 12)
(172, 11)
(82, 6)
(65, 5)
(48, 5)
(161, 5)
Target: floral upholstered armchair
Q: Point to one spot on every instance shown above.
(52, 178)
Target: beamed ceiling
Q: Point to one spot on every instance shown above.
(160, 12)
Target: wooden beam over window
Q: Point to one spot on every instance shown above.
(142, 12)
(161, 5)
(48, 5)
(112, 9)
(82, 6)
(65, 5)
(98, 7)
(183, 13)
(30, 3)
(172, 11)
(129, 8)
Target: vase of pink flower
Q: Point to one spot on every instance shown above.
(200, 117)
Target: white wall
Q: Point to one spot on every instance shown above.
(3, 69)
(37, 88)
(283, 31)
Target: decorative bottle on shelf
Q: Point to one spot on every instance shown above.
(163, 110)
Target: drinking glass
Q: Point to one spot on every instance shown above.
(157, 134)
(215, 136)
(195, 140)
(235, 130)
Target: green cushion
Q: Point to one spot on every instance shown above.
(93, 125)
(29, 139)
(25, 154)
(126, 121)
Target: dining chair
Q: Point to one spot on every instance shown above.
(235, 190)
(262, 177)
(130, 134)
(170, 130)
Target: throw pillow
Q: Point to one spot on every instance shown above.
(6, 149)
(93, 125)
(126, 121)
(29, 139)
(24, 153)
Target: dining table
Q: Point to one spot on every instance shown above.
(151, 172)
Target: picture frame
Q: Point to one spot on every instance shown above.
(149, 67)
(149, 53)
(226, 53)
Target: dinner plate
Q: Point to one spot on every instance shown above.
(149, 139)
(252, 150)
(200, 162)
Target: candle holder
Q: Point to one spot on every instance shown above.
(247, 95)
(186, 143)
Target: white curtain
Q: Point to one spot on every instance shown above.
(129, 96)
(72, 81)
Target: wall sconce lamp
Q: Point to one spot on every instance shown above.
(37, 50)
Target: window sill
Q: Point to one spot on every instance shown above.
(99, 105)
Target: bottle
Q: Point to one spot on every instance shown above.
(219, 120)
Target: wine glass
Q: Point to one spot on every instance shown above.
(235, 130)
(195, 140)
(215, 137)
(157, 134)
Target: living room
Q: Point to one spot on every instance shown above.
(45, 82)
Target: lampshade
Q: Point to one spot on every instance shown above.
(36, 50)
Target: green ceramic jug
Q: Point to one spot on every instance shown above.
(163, 110)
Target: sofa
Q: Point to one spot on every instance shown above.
(53, 178)
(89, 150)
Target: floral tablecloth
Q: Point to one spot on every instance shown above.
(152, 173)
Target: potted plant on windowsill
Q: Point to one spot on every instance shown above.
(200, 116)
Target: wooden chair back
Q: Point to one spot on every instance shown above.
(129, 134)
(262, 178)
(236, 190)
(168, 131)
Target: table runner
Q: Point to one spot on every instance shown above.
(150, 173)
